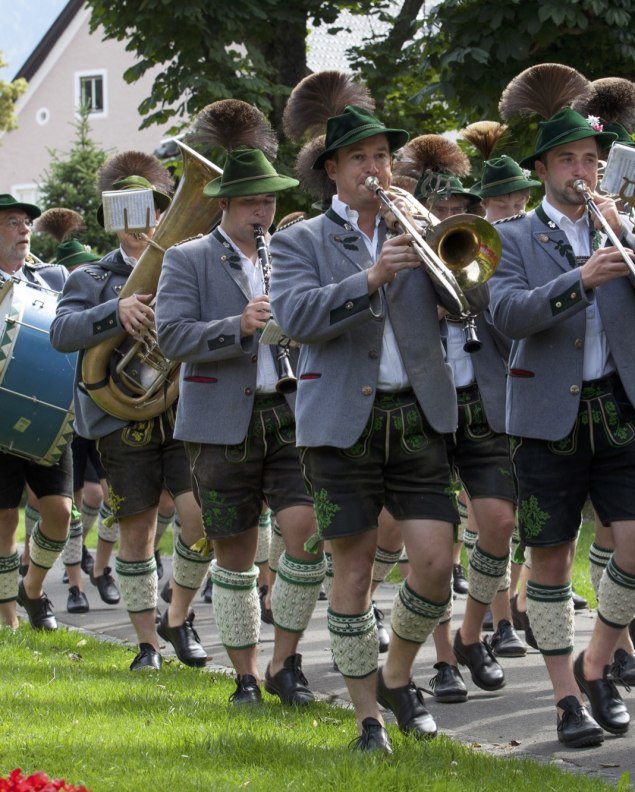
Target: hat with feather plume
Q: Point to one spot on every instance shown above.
(63, 225)
(135, 170)
(437, 164)
(500, 175)
(548, 90)
(332, 102)
(611, 100)
(250, 142)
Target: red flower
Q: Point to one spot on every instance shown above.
(36, 782)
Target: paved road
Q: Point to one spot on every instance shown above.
(518, 720)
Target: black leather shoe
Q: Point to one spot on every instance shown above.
(147, 659)
(406, 704)
(579, 603)
(607, 706)
(76, 602)
(505, 641)
(184, 639)
(39, 610)
(478, 657)
(374, 737)
(623, 668)
(289, 684)
(247, 690)
(322, 597)
(447, 685)
(208, 591)
(521, 622)
(157, 558)
(166, 592)
(87, 562)
(266, 614)
(65, 578)
(576, 728)
(106, 586)
(459, 583)
(383, 636)
(23, 569)
(488, 621)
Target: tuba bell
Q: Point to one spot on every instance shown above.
(131, 379)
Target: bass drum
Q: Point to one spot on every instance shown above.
(36, 381)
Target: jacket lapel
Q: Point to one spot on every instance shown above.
(551, 240)
(348, 242)
(230, 262)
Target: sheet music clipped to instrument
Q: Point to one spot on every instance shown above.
(620, 166)
(128, 210)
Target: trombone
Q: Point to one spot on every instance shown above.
(458, 253)
(581, 187)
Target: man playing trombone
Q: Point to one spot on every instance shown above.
(563, 296)
(374, 396)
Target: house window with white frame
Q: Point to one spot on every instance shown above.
(90, 91)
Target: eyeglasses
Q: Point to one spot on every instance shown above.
(14, 223)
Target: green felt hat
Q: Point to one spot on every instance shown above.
(161, 199)
(501, 176)
(623, 135)
(353, 125)
(9, 202)
(248, 172)
(566, 126)
(442, 185)
(72, 253)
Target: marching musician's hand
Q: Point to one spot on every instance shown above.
(604, 265)
(389, 218)
(396, 254)
(254, 316)
(134, 313)
(608, 207)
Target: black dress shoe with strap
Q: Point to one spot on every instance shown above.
(607, 706)
(147, 659)
(485, 669)
(576, 728)
(406, 704)
(447, 685)
(38, 609)
(106, 586)
(184, 639)
(77, 602)
(247, 690)
(374, 737)
(289, 684)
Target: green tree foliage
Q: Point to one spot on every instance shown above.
(475, 47)
(70, 183)
(9, 94)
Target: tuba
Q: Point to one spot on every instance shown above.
(131, 379)
(458, 253)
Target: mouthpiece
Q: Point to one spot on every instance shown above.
(579, 185)
(372, 184)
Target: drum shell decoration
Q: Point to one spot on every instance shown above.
(36, 381)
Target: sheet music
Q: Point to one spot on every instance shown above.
(620, 165)
(131, 210)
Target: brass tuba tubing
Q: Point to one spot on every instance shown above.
(581, 187)
(189, 214)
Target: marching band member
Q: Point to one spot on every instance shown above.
(53, 486)
(563, 298)
(374, 397)
(238, 431)
(140, 457)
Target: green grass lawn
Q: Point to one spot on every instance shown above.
(71, 709)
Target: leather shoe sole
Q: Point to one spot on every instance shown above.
(607, 706)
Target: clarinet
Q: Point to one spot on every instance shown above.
(287, 383)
